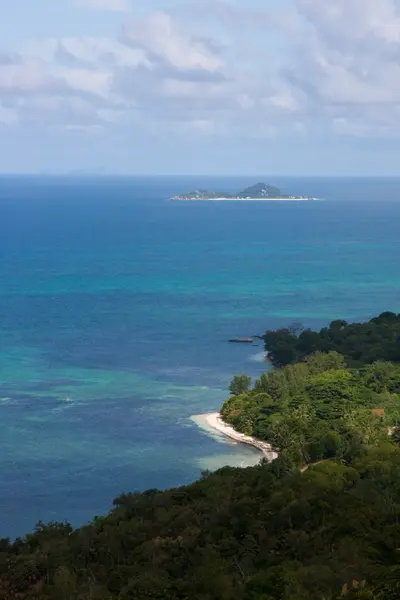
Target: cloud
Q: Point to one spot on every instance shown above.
(353, 24)
(22, 76)
(164, 41)
(156, 67)
(88, 52)
(159, 69)
(218, 69)
(35, 92)
(30, 77)
(348, 67)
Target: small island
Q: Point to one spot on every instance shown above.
(259, 191)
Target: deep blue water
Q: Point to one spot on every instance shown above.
(122, 302)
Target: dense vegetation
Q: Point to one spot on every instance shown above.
(360, 343)
(318, 409)
(239, 534)
(321, 522)
(261, 190)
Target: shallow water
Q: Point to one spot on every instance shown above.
(122, 303)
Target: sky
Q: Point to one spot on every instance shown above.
(284, 87)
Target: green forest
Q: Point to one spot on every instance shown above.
(359, 343)
(318, 409)
(321, 522)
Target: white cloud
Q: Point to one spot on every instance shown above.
(22, 75)
(285, 101)
(86, 80)
(32, 90)
(96, 52)
(351, 22)
(347, 67)
(163, 40)
(338, 70)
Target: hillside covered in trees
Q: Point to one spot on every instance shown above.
(359, 343)
(261, 533)
(318, 409)
(321, 522)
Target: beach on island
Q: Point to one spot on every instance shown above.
(214, 422)
(244, 199)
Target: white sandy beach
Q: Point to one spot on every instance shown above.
(244, 199)
(215, 422)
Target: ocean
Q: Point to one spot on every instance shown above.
(116, 307)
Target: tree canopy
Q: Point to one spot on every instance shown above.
(261, 533)
(359, 343)
(319, 409)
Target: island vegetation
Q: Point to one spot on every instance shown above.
(359, 343)
(321, 522)
(258, 191)
(318, 409)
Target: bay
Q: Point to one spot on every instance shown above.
(116, 307)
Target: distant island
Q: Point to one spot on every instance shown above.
(259, 191)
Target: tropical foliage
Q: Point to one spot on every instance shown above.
(240, 534)
(319, 409)
(360, 343)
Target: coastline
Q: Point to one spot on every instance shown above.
(243, 199)
(214, 421)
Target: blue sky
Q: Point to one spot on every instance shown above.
(200, 86)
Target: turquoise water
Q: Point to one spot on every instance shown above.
(115, 308)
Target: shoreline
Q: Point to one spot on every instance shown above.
(244, 199)
(215, 422)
